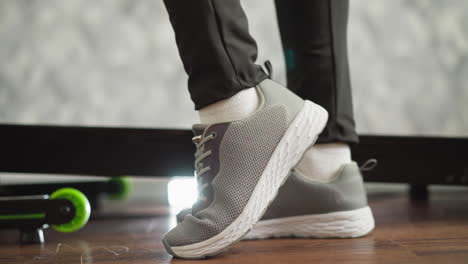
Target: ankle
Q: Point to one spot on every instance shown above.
(237, 107)
(321, 162)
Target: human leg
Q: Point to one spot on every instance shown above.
(240, 163)
(314, 37)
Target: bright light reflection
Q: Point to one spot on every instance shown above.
(182, 193)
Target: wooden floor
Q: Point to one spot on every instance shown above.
(407, 232)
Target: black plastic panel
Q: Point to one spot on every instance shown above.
(162, 152)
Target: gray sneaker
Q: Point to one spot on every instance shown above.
(240, 167)
(310, 209)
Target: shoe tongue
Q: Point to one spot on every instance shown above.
(198, 129)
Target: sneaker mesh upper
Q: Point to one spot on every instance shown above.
(244, 153)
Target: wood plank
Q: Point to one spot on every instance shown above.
(435, 231)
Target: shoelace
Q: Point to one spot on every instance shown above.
(200, 155)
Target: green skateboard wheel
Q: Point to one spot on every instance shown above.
(82, 209)
(125, 186)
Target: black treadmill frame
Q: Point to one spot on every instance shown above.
(107, 151)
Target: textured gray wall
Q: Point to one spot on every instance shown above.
(409, 63)
(114, 62)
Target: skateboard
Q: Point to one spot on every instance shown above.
(65, 207)
(65, 210)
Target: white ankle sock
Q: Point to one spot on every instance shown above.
(236, 107)
(322, 161)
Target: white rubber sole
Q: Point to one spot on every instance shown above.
(301, 134)
(345, 224)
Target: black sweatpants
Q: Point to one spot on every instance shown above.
(219, 54)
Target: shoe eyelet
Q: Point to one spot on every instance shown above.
(214, 134)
